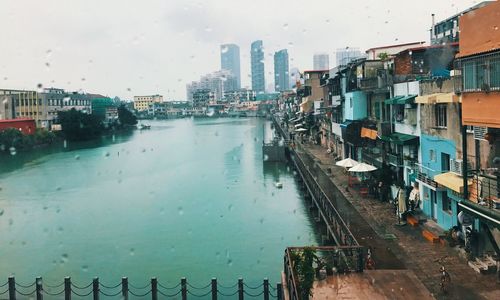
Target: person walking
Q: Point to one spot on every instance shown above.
(414, 197)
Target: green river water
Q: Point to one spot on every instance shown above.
(186, 198)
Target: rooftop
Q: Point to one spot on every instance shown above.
(395, 45)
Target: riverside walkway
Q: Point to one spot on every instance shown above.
(398, 248)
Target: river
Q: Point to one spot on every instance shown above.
(189, 197)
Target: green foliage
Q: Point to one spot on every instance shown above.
(125, 116)
(383, 56)
(303, 264)
(11, 137)
(78, 126)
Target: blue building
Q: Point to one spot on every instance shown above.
(257, 67)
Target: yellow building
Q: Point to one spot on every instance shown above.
(27, 104)
(141, 103)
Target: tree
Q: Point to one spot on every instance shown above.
(78, 126)
(125, 116)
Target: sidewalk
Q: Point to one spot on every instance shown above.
(405, 242)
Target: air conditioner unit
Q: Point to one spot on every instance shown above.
(456, 166)
(480, 132)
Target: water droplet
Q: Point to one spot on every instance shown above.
(266, 157)
(261, 220)
(60, 229)
(132, 252)
(1, 212)
(64, 257)
(495, 27)
(180, 210)
(224, 49)
(230, 207)
(229, 262)
(85, 268)
(77, 157)
(285, 26)
(12, 151)
(172, 249)
(208, 29)
(106, 154)
(58, 188)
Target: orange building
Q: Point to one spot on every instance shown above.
(479, 62)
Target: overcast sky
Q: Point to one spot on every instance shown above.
(125, 48)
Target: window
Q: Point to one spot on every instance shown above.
(441, 120)
(482, 74)
(445, 162)
(446, 203)
(432, 155)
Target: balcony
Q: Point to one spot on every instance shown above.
(373, 83)
(395, 159)
(369, 157)
(424, 175)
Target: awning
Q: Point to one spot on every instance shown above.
(401, 100)
(400, 138)
(368, 133)
(483, 213)
(346, 123)
(451, 181)
(438, 98)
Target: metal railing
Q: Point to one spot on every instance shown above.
(395, 159)
(153, 289)
(336, 227)
(342, 259)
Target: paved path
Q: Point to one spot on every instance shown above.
(409, 247)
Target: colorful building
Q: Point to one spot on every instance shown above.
(26, 126)
(478, 64)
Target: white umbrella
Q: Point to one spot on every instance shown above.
(347, 163)
(362, 167)
(300, 130)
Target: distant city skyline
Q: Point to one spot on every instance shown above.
(230, 60)
(281, 71)
(120, 50)
(257, 66)
(321, 61)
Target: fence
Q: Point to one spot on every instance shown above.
(154, 290)
(343, 258)
(335, 225)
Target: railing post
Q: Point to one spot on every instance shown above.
(39, 288)
(154, 288)
(279, 291)
(12, 288)
(95, 288)
(67, 288)
(240, 289)
(266, 289)
(214, 288)
(184, 288)
(125, 288)
(360, 259)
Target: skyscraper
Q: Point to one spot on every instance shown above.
(345, 56)
(321, 61)
(230, 60)
(281, 73)
(257, 66)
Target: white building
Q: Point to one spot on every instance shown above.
(321, 61)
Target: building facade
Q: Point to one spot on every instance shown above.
(281, 71)
(141, 103)
(217, 82)
(346, 55)
(257, 67)
(230, 60)
(321, 61)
